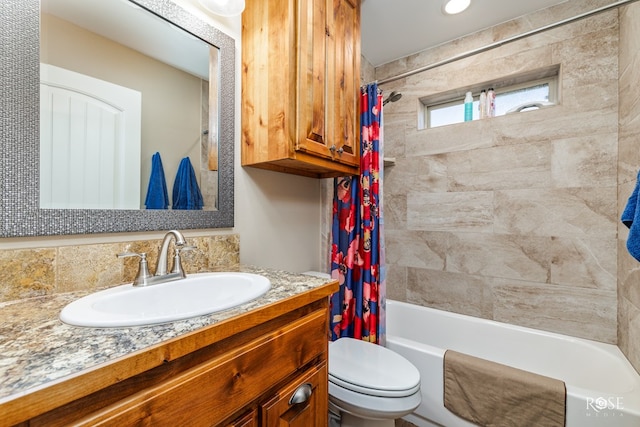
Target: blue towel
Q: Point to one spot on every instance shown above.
(157, 195)
(631, 218)
(186, 193)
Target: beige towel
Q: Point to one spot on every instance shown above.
(491, 395)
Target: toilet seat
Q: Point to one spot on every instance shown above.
(370, 369)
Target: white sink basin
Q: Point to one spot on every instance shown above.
(198, 294)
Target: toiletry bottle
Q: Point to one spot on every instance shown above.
(468, 107)
(491, 103)
(482, 105)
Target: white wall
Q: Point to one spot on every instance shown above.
(276, 215)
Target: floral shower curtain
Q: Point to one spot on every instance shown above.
(357, 250)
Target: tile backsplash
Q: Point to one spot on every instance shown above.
(29, 273)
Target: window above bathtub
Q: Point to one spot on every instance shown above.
(523, 92)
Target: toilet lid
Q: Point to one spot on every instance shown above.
(371, 369)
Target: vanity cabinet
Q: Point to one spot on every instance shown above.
(300, 86)
(267, 367)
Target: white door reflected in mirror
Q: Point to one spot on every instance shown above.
(89, 142)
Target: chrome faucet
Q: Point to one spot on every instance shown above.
(144, 278)
(162, 265)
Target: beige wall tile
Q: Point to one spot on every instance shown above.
(595, 45)
(27, 273)
(500, 255)
(468, 136)
(426, 174)
(394, 135)
(629, 40)
(470, 211)
(585, 313)
(224, 252)
(623, 324)
(579, 211)
(422, 249)
(630, 96)
(628, 275)
(521, 165)
(454, 292)
(633, 320)
(88, 267)
(585, 161)
(584, 262)
(553, 124)
(396, 283)
(395, 212)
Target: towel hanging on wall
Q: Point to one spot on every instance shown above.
(157, 195)
(631, 218)
(186, 192)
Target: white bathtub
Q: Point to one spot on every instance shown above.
(603, 389)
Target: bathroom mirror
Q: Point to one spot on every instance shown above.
(20, 79)
(117, 85)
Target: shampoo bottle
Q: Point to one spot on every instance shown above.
(482, 105)
(491, 103)
(468, 107)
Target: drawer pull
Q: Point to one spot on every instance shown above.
(302, 394)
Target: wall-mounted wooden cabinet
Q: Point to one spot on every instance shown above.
(300, 86)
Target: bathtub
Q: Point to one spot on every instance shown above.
(603, 389)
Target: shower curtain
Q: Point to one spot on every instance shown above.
(357, 250)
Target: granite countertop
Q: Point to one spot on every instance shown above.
(37, 349)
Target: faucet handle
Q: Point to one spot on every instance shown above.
(185, 248)
(177, 262)
(143, 267)
(130, 254)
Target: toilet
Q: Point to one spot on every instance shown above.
(370, 385)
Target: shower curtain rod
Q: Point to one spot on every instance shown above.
(502, 42)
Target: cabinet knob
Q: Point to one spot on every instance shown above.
(302, 394)
(332, 148)
(340, 150)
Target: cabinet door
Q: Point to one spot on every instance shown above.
(343, 77)
(310, 391)
(312, 74)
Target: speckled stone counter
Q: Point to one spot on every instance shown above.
(37, 349)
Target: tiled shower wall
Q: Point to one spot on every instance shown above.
(512, 218)
(42, 271)
(628, 165)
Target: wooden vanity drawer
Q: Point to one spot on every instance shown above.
(213, 391)
(310, 409)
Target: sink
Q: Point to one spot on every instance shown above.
(198, 294)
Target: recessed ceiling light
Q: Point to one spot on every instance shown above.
(452, 7)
